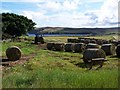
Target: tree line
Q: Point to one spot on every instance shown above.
(14, 25)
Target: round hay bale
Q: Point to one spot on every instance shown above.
(115, 42)
(81, 40)
(58, 46)
(50, 46)
(78, 47)
(99, 42)
(68, 47)
(13, 53)
(90, 54)
(109, 49)
(91, 45)
(106, 42)
(118, 51)
(69, 40)
(87, 41)
(92, 41)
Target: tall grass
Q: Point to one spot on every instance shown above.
(57, 78)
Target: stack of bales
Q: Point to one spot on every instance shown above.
(68, 47)
(92, 41)
(81, 40)
(87, 41)
(13, 53)
(58, 46)
(109, 49)
(50, 46)
(90, 54)
(115, 42)
(92, 45)
(118, 51)
(106, 42)
(78, 47)
(99, 42)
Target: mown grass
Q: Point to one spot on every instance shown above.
(105, 37)
(53, 69)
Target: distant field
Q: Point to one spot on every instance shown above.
(53, 69)
(64, 38)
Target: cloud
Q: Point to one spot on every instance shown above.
(53, 6)
(28, 0)
(107, 14)
(57, 6)
(66, 13)
(95, 1)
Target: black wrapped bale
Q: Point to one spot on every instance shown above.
(93, 41)
(50, 46)
(78, 47)
(115, 42)
(90, 54)
(87, 41)
(99, 42)
(91, 45)
(109, 49)
(118, 51)
(81, 40)
(58, 46)
(106, 42)
(68, 47)
(13, 53)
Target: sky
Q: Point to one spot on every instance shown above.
(66, 13)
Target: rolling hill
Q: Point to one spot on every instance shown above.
(67, 30)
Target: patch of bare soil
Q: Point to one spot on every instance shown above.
(5, 62)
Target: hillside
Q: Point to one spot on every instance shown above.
(66, 30)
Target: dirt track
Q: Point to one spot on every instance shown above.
(4, 63)
(7, 63)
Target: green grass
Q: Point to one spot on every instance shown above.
(57, 78)
(26, 47)
(53, 69)
(105, 37)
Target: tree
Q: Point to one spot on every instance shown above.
(16, 25)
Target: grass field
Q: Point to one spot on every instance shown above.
(53, 69)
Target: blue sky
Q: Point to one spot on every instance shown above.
(66, 13)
